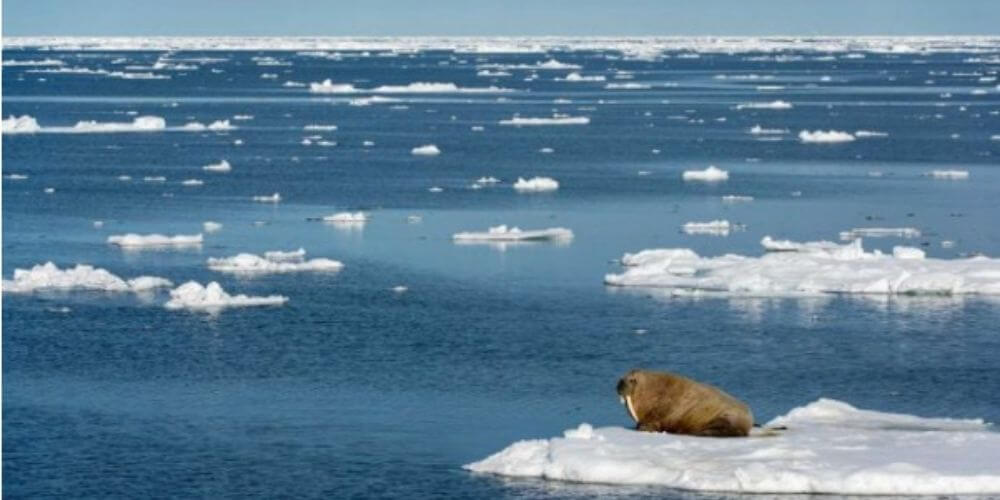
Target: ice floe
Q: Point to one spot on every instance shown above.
(555, 120)
(48, 276)
(825, 136)
(24, 124)
(714, 228)
(15, 177)
(426, 150)
(710, 174)
(272, 262)
(577, 77)
(863, 134)
(328, 87)
(808, 269)
(192, 182)
(192, 295)
(505, 233)
(536, 184)
(211, 226)
(318, 127)
(828, 247)
(27, 124)
(736, 198)
(134, 240)
(880, 232)
(950, 174)
(765, 105)
(829, 447)
(33, 62)
(347, 217)
(222, 166)
(758, 130)
(271, 198)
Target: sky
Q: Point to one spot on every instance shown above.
(499, 17)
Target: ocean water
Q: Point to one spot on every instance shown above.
(354, 390)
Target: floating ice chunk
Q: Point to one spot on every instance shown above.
(556, 120)
(821, 136)
(628, 86)
(765, 105)
(710, 174)
(15, 177)
(901, 252)
(880, 232)
(546, 150)
(192, 182)
(211, 227)
(293, 84)
(504, 233)
(715, 227)
(426, 150)
(272, 262)
(829, 447)
(49, 190)
(435, 189)
(435, 88)
(48, 276)
(735, 198)
(139, 124)
(487, 180)
(399, 289)
(486, 72)
(758, 130)
(348, 217)
(414, 219)
(869, 133)
(222, 166)
(242, 117)
(375, 99)
(328, 87)
(829, 248)
(274, 198)
(577, 77)
(477, 128)
(536, 184)
(24, 124)
(221, 125)
(154, 178)
(192, 295)
(133, 240)
(33, 62)
(950, 174)
(326, 128)
(809, 270)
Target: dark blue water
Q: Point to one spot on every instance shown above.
(352, 390)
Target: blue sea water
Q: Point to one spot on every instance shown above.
(354, 390)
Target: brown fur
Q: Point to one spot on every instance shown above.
(666, 402)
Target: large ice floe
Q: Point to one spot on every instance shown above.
(825, 136)
(765, 105)
(272, 262)
(812, 268)
(426, 150)
(714, 228)
(48, 276)
(222, 166)
(505, 233)
(192, 295)
(20, 125)
(133, 240)
(555, 120)
(710, 174)
(536, 184)
(828, 447)
(150, 123)
(329, 87)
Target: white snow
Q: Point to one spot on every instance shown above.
(829, 447)
(504, 233)
(828, 136)
(714, 228)
(536, 184)
(273, 198)
(765, 105)
(133, 240)
(773, 245)
(555, 120)
(710, 174)
(950, 174)
(426, 150)
(222, 166)
(192, 295)
(24, 124)
(347, 217)
(48, 276)
(808, 269)
(880, 232)
(758, 130)
(15, 177)
(211, 226)
(272, 262)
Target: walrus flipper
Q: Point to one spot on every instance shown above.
(722, 426)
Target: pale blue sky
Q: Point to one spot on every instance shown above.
(500, 17)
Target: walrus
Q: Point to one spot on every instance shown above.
(667, 402)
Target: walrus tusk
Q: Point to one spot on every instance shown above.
(631, 408)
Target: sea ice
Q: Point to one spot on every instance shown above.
(24, 124)
(710, 174)
(829, 447)
(133, 240)
(880, 232)
(211, 227)
(808, 269)
(222, 166)
(821, 136)
(714, 228)
(536, 184)
(950, 174)
(48, 276)
(555, 120)
(273, 198)
(426, 150)
(765, 105)
(504, 233)
(347, 217)
(192, 295)
(272, 262)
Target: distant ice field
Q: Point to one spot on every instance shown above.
(418, 354)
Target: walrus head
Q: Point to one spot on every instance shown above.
(626, 390)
